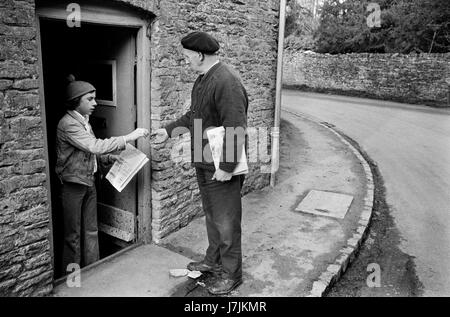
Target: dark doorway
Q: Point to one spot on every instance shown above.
(104, 56)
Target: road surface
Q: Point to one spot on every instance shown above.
(411, 145)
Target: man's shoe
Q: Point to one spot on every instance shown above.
(203, 267)
(224, 286)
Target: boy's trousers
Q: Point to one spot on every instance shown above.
(80, 224)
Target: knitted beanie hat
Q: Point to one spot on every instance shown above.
(77, 88)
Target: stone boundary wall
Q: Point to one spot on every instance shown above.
(414, 78)
(25, 257)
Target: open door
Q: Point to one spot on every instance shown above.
(106, 57)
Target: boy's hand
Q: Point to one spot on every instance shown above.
(136, 134)
(115, 158)
(142, 133)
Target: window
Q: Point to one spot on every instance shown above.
(102, 75)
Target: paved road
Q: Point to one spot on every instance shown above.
(411, 145)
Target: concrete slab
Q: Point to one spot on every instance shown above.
(323, 203)
(140, 272)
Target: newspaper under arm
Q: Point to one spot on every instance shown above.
(215, 139)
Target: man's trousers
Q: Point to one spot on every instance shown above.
(223, 212)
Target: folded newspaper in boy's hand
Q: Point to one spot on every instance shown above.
(123, 170)
(215, 138)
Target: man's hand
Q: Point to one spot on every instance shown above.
(222, 176)
(160, 135)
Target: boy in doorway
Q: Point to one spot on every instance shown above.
(77, 151)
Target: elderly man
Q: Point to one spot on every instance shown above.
(218, 99)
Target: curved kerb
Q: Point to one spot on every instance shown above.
(347, 254)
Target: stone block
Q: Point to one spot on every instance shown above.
(361, 229)
(26, 84)
(17, 47)
(15, 69)
(363, 222)
(6, 171)
(5, 84)
(352, 242)
(29, 198)
(11, 256)
(12, 154)
(36, 248)
(30, 272)
(20, 16)
(368, 201)
(357, 236)
(33, 235)
(343, 262)
(162, 175)
(10, 273)
(18, 182)
(16, 101)
(327, 277)
(366, 214)
(6, 287)
(39, 260)
(6, 218)
(45, 278)
(318, 288)
(26, 128)
(334, 269)
(42, 291)
(32, 167)
(7, 242)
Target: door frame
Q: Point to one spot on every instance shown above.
(110, 15)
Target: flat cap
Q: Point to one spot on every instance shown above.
(200, 42)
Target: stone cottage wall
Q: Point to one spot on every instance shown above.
(25, 258)
(413, 78)
(247, 32)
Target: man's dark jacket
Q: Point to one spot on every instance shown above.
(218, 99)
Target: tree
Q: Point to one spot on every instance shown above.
(417, 25)
(406, 26)
(300, 25)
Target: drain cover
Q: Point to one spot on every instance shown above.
(323, 203)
